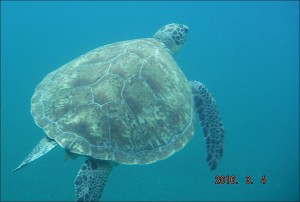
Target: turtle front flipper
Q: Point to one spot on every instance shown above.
(91, 179)
(43, 147)
(211, 124)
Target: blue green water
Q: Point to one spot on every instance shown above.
(247, 54)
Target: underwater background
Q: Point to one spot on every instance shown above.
(246, 53)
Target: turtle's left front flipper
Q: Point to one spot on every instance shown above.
(43, 147)
(211, 123)
(91, 179)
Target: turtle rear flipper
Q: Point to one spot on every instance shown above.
(211, 124)
(91, 179)
(43, 147)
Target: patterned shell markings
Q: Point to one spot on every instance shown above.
(128, 102)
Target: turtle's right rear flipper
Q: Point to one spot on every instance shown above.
(91, 179)
(43, 147)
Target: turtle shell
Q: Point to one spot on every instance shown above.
(127, 102)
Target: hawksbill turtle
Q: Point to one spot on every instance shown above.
(124, 103)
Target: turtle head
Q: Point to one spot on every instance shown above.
(172, 35)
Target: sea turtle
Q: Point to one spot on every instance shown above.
(123, 103)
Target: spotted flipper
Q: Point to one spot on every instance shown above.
(211, 124)
(43, 147)
(91, 179)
